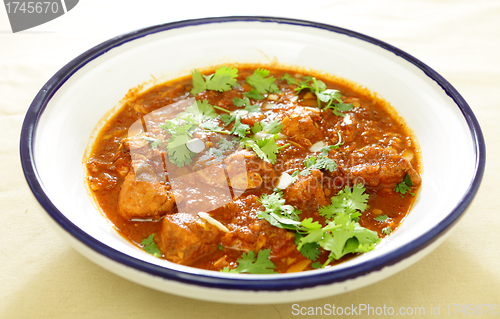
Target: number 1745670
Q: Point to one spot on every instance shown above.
(29, 7)
(472, 309)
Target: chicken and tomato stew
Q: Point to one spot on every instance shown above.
(252, 169)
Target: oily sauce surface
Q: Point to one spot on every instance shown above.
(142, 193)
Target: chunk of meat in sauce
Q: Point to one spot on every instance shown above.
(307, 192)
(299, 126)
(145, 197)
(244, 169)
(376, 166)
(248, 232)
(185, 238)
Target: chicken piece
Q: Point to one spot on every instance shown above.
(248, 232)
(307, 192)
(144, 197)
(244, 171)
(213, 175)
(376, 166)
(299, 127)
(185, 238)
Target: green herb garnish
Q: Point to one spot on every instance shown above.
(277, 213)
(289, 79)
(349, 200)
(405, 186)
(318, 162)
(149, 246)
(181, 130)
(247, 263)
(332, 98)
(224, 79)
(262, 83)
(154, 142)
(387, 230)
(381, 218)
(265, 147)
(341, 235)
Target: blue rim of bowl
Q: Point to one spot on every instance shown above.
(244, 282)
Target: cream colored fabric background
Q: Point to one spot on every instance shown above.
(43, 277)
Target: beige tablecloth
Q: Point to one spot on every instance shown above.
(43, 277)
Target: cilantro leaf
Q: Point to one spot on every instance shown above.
(201, 111)
(325, 150)
(211, 126)
(404, 186)
(277, 213)
(178, 153)
(269, 148)
(348, 200)
(222, 80)
(331, 97)
(318, 162)
(149, 246)
(199, 84)
(339, 107)
(239, 128)
(262, 82)
(310, 250)
(289, 79)
(180, 129)
(254, 94)
(255, 108)
(266, 147)
(272, 127)
(387, 230)
(239, 102)
(249, 107)
(225, 145)
(310, 225)
(343, 236)
(311, 83)
(363, 241)
(247, 263)
(154, 141)
(381, 218)
(316, 265)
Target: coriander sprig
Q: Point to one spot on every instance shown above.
(261, 83)
(404, 187)
(224, 79)
(342, 233)
(149, 246)
(250, 264)
(331, 97)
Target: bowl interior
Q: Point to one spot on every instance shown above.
(69, 120)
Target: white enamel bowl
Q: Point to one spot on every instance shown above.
(63, 117)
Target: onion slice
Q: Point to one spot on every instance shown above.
(317, 146)
(285, 181)
(213, 221)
